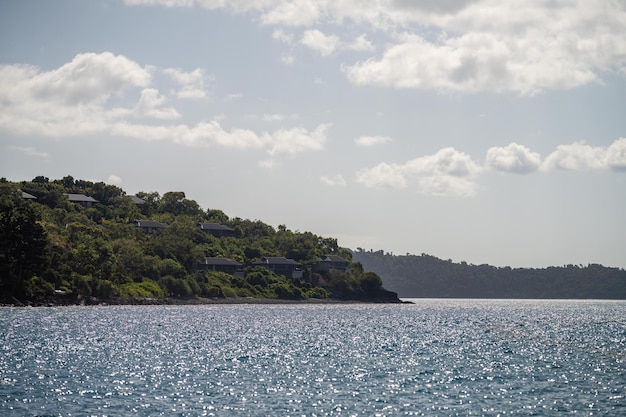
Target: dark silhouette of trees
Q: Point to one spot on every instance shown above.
(427, 276)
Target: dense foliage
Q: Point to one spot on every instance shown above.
(51, 248)
(426, 276)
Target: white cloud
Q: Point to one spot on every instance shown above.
(616, 155)
(361, 44)
(446, 162)
(88, 78)
(323, 44)
(282, 36)
(288, 13)
(148, 106)
(73, 99)
(447, 172)
(192, 83)
(580, 157)
(334, 181)
(61, 109)
(114, 179)
(463, 46)
(296, 140)
(372, 140)
(383, 175)
(446, 185)
(450, 172)
(513, 158)
(28, 150)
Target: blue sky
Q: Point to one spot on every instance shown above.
(479, 131)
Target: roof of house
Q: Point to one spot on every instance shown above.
(333, 258)
(26, 195)
(81, 198)
(149, 223)
(220, 261)
(214, 226)
(276, 260)
(136, 199)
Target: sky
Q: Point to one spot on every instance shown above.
(473, 130)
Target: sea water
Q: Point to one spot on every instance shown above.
(431, 358)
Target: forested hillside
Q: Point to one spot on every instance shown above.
(427, 276)
(53, 249)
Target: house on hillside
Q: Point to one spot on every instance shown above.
(328, 262)
(216, 229)
(229, 266)
(149, 226)
(281, 266)
(27, 196)
(138, 201)
(82, 199)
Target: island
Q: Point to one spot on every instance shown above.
(70, 241)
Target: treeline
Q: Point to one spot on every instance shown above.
(54, 250)
(426, 276)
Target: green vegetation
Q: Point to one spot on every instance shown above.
(54, 250)
(426, 276)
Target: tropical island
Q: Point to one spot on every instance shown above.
(70, 241)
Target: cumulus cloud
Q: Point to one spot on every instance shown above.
(316, 40)
(75, 100)
(87, 78)
(149, 106)
(334, 181)
(462, 46)
(450, 172)
(579, 156)
(447, 172)
(279, 143)
(513, 158)
(372, 140)
(327, 44)
(616, 155)
(383, 175)
(293, 141)
(192, 84)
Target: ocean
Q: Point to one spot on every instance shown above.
(430, 358)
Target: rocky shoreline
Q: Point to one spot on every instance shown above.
(93, 301)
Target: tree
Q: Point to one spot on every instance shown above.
(22, 241)
(174, 202)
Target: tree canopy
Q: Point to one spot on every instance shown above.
(54, 249)
(426, 276)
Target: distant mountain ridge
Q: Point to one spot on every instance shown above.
(426, 276)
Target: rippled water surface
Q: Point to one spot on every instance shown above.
(435, 357)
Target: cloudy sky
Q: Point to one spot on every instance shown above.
(484, 131)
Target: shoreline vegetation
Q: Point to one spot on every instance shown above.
(73, 242)
(118, 301)
(425, 276)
